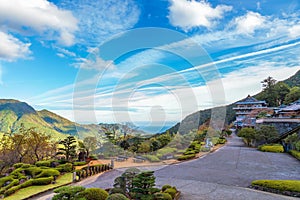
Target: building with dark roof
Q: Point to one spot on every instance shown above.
(244, 111)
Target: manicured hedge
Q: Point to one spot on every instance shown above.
(94, 194)
(79, 163)
(271, 148)
(48, 173)
(295, 153)
(91, 170)
(68, 167)
(281, 185)
(186, 157)
(117, 197)
(46, 163)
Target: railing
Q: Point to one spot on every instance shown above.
(90, 171)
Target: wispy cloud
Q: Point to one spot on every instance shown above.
(248, 23)
(101, 19)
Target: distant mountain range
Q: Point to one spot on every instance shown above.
(13, 113)
(194, 120)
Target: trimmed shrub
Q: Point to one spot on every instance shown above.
(12, 190)
(116, 191)
(222, 141)
(164, 187)
(67, 192)
(275, 149)
(5, 179)
(162, 196)
(42, 181)
(189, 152)
(11, 184)
(186, 157)
(27, 165)
(295, 153)
(171, 191)
(94, 194)
(44, 163)
(18, 165)
(204, 149)
(33, 171)
(93, 157)
(117, 197)
(48, 172)
(68, 167)
(282, 185)
(79, 163)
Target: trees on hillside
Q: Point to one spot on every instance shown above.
(293, 95)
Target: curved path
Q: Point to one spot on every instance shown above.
(224, 174)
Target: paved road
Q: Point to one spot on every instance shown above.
(224, 174)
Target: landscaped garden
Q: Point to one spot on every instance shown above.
(132, 184)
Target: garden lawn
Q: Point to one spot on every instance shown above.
(32, 190)
(282, 185)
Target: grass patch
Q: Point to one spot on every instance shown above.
(29, 191)
(295, 153)
(271, 148)
(281, 185)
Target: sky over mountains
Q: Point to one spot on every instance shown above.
(140, 60)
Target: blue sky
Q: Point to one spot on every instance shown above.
(143, 61)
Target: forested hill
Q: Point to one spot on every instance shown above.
(194, 120)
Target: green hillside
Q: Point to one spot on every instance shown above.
(194, 120)
(13, 113)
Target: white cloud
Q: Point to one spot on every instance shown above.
(12, 48)
(188, 14)
(39, 16)
(101, 19)
(250, 22)
(294, 31)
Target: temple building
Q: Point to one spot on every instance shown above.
(290, 111)
(247, 110)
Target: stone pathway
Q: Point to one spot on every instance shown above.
(224, 174)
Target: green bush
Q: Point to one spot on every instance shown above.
(269, 148)
(42, 181)
(94, 194)
(222, 141)
(117, 197)
(79, 163)
(186, 157)
(295, 153)
(44, 163)
(116, 191)
(11, 184)
(189, 152)
(68, 167)
(152, 158)
(33, 171)
(18, 174)
(282, 185)
(12, 190)
(18, 165)
(204, 149)
(171, 191)
(67, 192)
(5, 179)
(162, 196)
(164, 187)
(24, 166)
(48, 172)
(166, 150)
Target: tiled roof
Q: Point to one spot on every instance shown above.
(250, 100)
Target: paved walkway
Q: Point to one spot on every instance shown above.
(224, 174)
